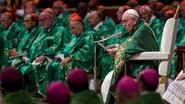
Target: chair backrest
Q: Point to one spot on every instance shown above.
(168, 43)
(169, 35)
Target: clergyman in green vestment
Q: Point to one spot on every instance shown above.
(141, 39)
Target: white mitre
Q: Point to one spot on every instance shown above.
(132, 12)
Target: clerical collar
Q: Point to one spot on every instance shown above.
(151, 19)
(60, 16)
(98, 25)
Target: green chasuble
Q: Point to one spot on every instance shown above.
(52, 42)
(80, 49)
(18, 97)
(157, 27)
(49, 42)
(12, 35)
(86, 97)
(110, 21)
(182, 21)
(20, 22)
(141, 39)
(63, 20)
(28, 37)
(25, 50)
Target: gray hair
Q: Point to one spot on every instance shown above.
(146, 8)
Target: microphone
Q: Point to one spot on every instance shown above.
(107, 38)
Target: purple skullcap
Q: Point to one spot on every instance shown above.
(77, 77)
(128, 85)
(58, 93)
(10, 75)
(11, 79)
(150, 77)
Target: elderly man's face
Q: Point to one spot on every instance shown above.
(93, 19)
(5, 21)
(145, 15)
(46, 20)
(128, 22)
(76, 28)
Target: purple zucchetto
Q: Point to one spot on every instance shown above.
(77, 80)
(11, 79)
(58, 93)
(77, 77)
(150, 78)
(128, 85)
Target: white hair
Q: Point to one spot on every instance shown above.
(132, 13)
(146, 8)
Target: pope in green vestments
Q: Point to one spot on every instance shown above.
(141, 39)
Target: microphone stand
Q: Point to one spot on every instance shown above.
(99, 42)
